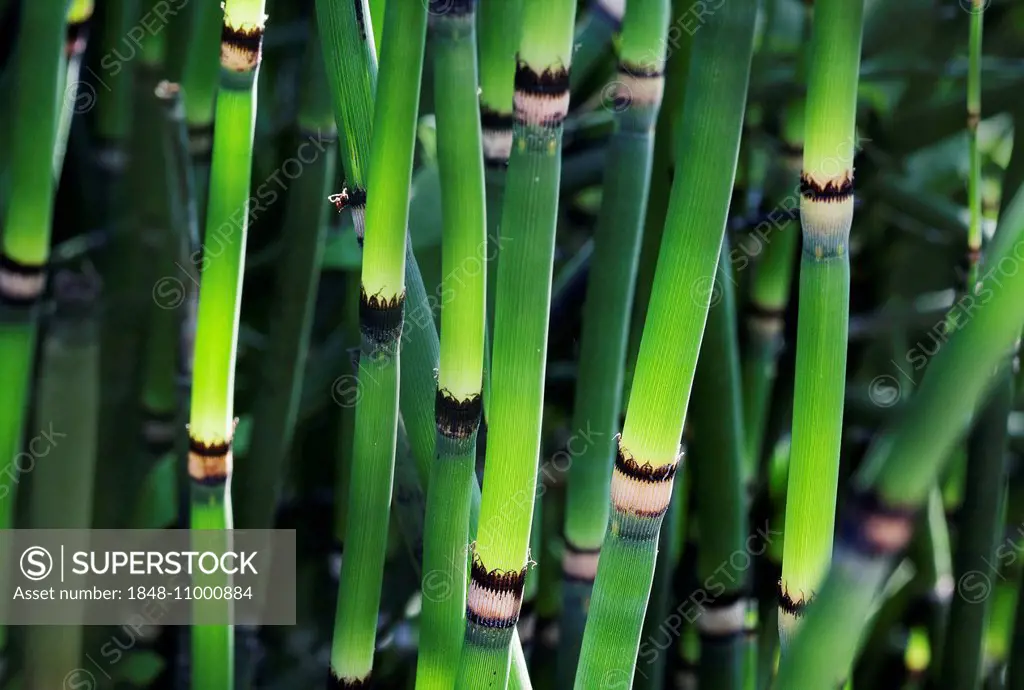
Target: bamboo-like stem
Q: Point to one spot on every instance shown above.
(25, 245)
(500, 29)
(606, 312)
(164, 220)
(826, 214)
(1015, 669)
(199, 81)
(774, 250)
(463, 324)
(977, 536)
(62, 485)
(651, 659)
(662, 172)
(717, 453)
(352, 73)
(382, 311)
(648, 452)
(974, 234)
(901, 468)
(501, 551)
(276, 406)
(79, 14)
(212, 416)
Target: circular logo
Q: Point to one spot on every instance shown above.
(616, 97)
(706, 290)
(884, 390)
(79, 679)
(974, 6)
(36, 563)
(168, 293)
(80, 97)
(346, 390)
(974, 586)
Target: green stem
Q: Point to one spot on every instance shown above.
(648, 450)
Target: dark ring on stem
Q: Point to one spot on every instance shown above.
(200, 142)
(495, 119)
(336, 683)
(789, 605)
(457, 419)
(638, 71)
(241, 48)
(21, 284)
(831, 191)
(76, 36)
(381, 318)
(496, 584)
(550, 82)
(756, 310)
(584, 555)
(625, 464)
(872, 527)
(724, 601)
(208, 462)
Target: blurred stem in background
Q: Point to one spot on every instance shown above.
(519, 357)
(212, 416)
(606, 311)
(648, 449)
(62, 484)
(25, 244)
(826, 214)
(275, 409)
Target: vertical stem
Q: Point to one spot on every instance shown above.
(826, 214)
(501, 552)
(212, 415)
(649, 447)
(606, 311)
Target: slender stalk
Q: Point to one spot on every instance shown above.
(25, 245)
(1015, 669)
(501, 551)
(648, 452)
(717, 452)
(79, 14)
(900, 469)
(199, 82)
(352, 73)
(981, 519)
(974, 235)
(771, 282)
(463, 323)
(606, 311)
(826, 214)
(382, 311)
(212, 416)
(276, 406)
(62, 485)
(500, 26)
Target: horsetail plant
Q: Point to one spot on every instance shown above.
(275, 409)
(826, 214)
(648, 448)
(501, 551)
(25, 244)
(463, 324)
(600, 22)
(199, 84)
(381, 315)
(352, 73)
(500, 28)
(716, 449)
(901, 468)
(212, 422)
(606, 311)
(62, 488)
